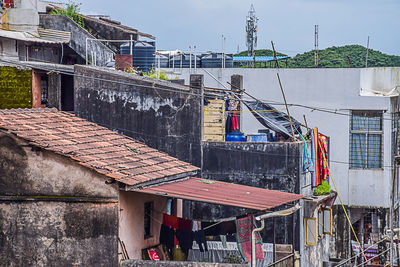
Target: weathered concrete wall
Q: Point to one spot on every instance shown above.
(139, 107)
(45, 53)
(54, 90)
(34, 173)
(105, 30)
(78, 38)
(313, 255)
(43, 233)
(134, 263)
(7, 48)
(54, 212)
(15, 87)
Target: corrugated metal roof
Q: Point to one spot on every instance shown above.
(258, 59)
(25, 36)
(54, 35)
(222, 193)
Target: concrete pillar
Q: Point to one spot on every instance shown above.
(197, 86)
(237, 85)
(196, 82)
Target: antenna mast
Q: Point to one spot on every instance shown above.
(251, 32)
(316, 46)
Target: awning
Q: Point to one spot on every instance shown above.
(29, 37)
(222, 193)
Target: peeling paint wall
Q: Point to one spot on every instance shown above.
(168, 120)
(54, 212)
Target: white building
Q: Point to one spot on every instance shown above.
(359, 128)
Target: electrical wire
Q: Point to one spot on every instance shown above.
(313, 108)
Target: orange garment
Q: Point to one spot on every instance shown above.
(323, 157)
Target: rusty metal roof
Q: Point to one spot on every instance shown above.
(93, 146)
(222, 193)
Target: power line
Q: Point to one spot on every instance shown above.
(154, 86)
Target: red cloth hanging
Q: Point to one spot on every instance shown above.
(244, 227)
(235, 124)
(323, 157)
(172, 222)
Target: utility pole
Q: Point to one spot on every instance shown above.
(316, 46)
(366, 57)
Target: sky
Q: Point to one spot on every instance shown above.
(178, 24)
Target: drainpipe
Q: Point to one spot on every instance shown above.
(253, 243)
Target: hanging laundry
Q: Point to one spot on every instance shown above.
(184, 234)
(323, 157)
(307, 159)
(244, 227)
(200, 239)
(185, 240)
(172, 222)
(315, 175)
(167, 236)
(235, 124)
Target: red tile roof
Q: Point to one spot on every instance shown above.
(96, 147)
(222, 193)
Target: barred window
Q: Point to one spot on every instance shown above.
(366, 139)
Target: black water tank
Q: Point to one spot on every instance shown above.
(214, 60)
(143, 54)
(183, 61)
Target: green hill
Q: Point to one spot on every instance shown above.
(338, 57)
(261, 52)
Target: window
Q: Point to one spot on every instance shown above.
(327, 214)
(366, 139)
(311, 231)
(320, 224)
(44, 89)
(148, 208)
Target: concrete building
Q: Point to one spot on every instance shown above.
(64, 195)
(358, 124)
(36, 84)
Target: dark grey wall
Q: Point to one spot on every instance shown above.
(271, 165)
(137, 107)
(54, 212)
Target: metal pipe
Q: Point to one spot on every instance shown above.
(253, 243)
(190, 59)
(194, 54)
(86, 52)
(131, 45)
(62, 53)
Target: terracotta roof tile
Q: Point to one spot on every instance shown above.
(93, 146)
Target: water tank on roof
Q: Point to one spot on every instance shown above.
(143, 54)
(162, 61)
(214, 60)
(183, 61)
